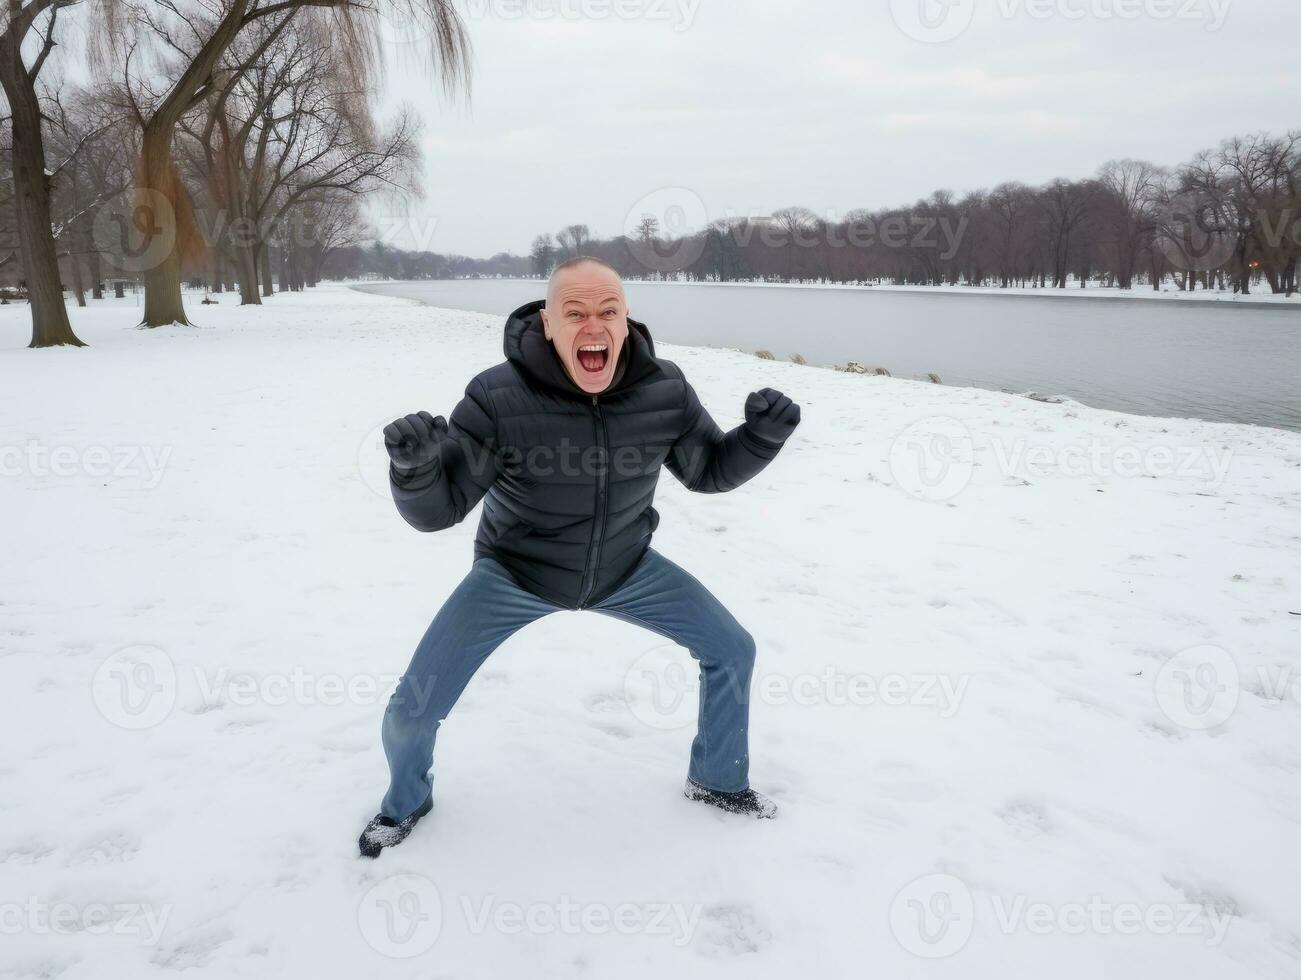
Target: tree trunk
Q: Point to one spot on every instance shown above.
(246, 271)
(235, 203)
(264, 260)
(40, 261)
(164, 304)
(78, 283)
(159, 182)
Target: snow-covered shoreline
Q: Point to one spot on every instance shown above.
(1030, 664)
(1168, 294)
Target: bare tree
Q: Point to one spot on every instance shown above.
(191, 38)
(1130, 190)
(1066, 207)
(573, 240)
(330, 221)
(796, 227)
(1011, 206)
(543, 255)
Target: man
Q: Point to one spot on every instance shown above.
(563, 442)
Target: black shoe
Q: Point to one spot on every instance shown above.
(746, 802)
(384, 831)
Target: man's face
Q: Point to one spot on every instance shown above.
(586, 320)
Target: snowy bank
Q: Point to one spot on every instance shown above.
(1026, 692)
(1168, 292)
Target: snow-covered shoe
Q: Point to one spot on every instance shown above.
(746, 802)
(384, 831)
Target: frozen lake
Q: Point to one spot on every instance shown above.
(1195, 359)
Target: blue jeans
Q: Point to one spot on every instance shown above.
(488, 607)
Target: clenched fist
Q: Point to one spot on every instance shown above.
(771, 416)
(413, 442)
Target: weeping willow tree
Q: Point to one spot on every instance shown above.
(295, 130)
(33, 25)
(189, 44)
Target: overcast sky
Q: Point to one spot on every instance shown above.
(597, 111)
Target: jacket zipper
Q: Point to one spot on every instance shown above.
(598, 520)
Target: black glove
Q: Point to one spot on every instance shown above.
(413, 446)
(771, 416)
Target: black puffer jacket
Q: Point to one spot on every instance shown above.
(570, 477)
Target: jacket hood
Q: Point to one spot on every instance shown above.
(527, 347)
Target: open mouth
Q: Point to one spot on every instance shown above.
(592, 358)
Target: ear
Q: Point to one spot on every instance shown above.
(546, 324)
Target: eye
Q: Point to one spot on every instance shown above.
(610, 314)
(574, 315)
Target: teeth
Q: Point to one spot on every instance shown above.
(593, 347)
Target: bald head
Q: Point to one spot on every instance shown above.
(584, 268)
(586, 320)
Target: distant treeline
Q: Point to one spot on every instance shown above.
(384, 262)
(1230, 219)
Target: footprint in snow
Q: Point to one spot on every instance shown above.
(38, 969)
(614, 730)
(196, 950)
(730, 930)
(29, 851)
(115, 848)
(605, 701)
(1026, 819)
(492, 678)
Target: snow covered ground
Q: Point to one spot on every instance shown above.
(1027, 691)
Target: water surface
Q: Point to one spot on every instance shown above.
(1196, 359)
